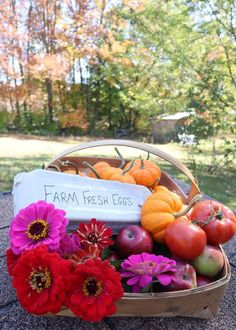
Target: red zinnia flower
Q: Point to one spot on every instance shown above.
(11, 259)
(94, 288)
(95, 233)
(90, 252)
(40, 280)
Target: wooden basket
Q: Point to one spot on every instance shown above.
(202, 302)
(64, 162)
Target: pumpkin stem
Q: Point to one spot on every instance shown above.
(194, 201)
(154, 183)
(68, 163)
(128, 168)
(142, 164)
(56, 167)
(92, 169)
(121, 157)
(148, 156)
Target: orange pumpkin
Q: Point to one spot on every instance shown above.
(108, 172)
(117, 174)
(160, 188)
(145, 172)
(99, 167)
(82, 173)
(122, 176)
(158, 211)
(111, 173)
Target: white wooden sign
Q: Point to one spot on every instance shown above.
(118, 204)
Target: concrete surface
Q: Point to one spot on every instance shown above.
(13, 317)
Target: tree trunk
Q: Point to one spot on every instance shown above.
(17, 109)
(48, 84)
(95, 109)
(110, 110)
(81, 83)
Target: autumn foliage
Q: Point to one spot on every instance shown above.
(99, 65)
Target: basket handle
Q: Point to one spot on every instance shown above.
(194, 189)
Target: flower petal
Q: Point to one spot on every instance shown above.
(164, 279)
(145, 280)
(133, 280)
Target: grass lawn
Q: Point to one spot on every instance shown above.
(20, 154)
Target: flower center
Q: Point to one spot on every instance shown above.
(37, 229)
(146, 267)
(92, 287)
(93, 238)
(40, 280)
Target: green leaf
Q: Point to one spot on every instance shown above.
(116, 263)
(106, 253)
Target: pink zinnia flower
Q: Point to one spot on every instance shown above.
(142, 269)
(69, 245)
(38, 223)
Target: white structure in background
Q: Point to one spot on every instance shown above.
(164, 125)
(187, 139)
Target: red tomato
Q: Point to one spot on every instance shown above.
(185, 239)
(216, 219)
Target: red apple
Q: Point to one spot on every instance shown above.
(184, 278)
(133, 239)
(210, 262)
(203, 280)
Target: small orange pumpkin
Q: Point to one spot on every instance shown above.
(82, 173)
(145, 172)
(108, 172)
(111, 173)
(162, 208)
(158, 211)
(99, 167)
(122, 176)
(160, 188)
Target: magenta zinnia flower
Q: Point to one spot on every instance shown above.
(95, 233)
(38, 223)
(69, 245)
(142, 269)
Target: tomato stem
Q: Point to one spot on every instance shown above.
(214, 214)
